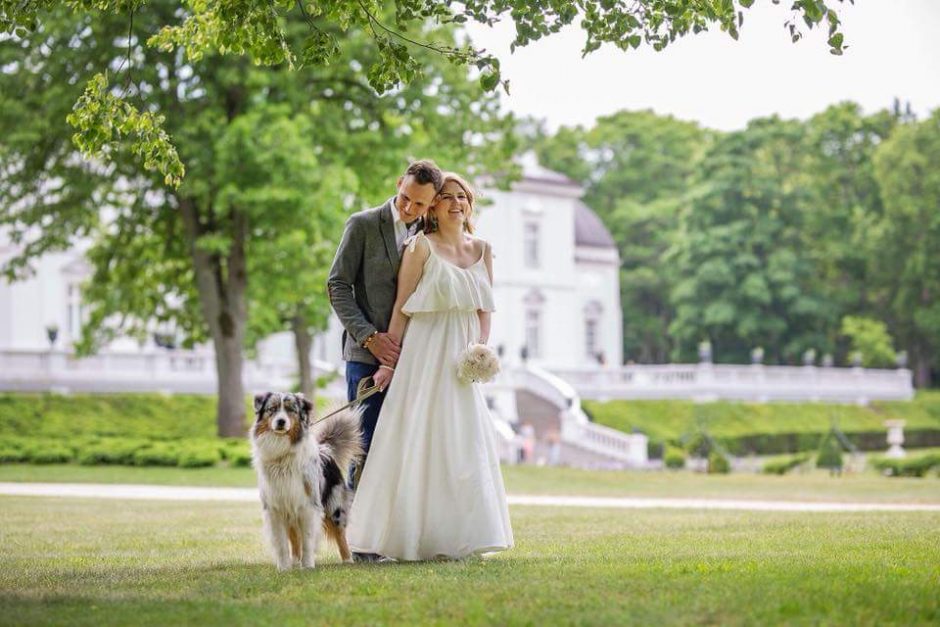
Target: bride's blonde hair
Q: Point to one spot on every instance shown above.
(471, 197)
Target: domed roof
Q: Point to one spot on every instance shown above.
(532, 170)
(589, 230)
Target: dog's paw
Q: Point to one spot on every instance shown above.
(308, 565)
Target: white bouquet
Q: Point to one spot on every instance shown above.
(479, 363)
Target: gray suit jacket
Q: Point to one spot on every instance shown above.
(364, 278)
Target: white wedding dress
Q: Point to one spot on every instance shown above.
(431, 487)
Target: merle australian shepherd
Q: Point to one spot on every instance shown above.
(301, 475)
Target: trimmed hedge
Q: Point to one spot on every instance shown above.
(912, 466)
(109, 451)
(195, 453)
(11, 456)
(674, 457)
(158, 454)
(718, 464)
(783, 465)
(237, 453)
(119, 429)
(774, 428)
(50, 454)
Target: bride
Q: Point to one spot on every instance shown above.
(432, 487)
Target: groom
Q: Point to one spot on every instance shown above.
(364, 278)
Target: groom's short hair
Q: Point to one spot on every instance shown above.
(426, 171)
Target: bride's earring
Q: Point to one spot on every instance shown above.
(433, 222)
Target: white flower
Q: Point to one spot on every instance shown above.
(479, 363)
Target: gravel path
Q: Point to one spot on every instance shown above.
(250, 495)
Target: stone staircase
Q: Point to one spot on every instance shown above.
(545, 417)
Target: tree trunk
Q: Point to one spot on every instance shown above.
(230, 416)
(303, 341)
(221, 283)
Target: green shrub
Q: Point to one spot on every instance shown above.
(12, 442)
(885, 465)
(674, 457)
(238, 453)
(241, 459)
(783, 465)
(158, 454)
(698, 445)
(232, 446)
(48, 453)
(11, 455)
(110, 451)
(830, 454)
(912, 466)
(718, 463)
(198, 455)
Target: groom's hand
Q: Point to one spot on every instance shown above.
(385, 349)
(382, 378)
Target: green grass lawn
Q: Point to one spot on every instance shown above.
(811, 486)
(84, 562)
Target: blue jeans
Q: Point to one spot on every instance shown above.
(356, 371)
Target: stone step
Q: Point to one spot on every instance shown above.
(545, 419)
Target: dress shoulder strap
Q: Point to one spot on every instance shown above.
(412, 241)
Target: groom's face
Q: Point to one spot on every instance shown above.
(413, 199)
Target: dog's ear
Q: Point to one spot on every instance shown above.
(260, 401)
(305, 406)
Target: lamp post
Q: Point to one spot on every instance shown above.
(52, 333)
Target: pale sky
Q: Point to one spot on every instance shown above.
(894, 50)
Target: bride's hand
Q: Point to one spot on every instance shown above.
(383, 376)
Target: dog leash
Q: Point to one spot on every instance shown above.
(362, 393)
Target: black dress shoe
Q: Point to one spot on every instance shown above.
(361, 558)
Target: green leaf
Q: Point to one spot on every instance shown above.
(489, 80)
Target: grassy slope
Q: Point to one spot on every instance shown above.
(663, 420)
(82, 562)
(128, 415)
(182, 416)
(813, 486)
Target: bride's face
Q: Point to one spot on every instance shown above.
(452, 208)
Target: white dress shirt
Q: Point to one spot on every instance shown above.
(401, 229)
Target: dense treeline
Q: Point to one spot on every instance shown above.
(788, 242)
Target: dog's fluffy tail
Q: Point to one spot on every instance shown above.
(341, 436)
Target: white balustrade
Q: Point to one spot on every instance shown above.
(161, 370)
(705, 382)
